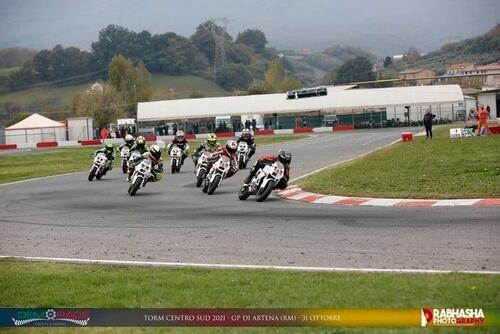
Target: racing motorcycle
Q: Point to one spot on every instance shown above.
(125, 154)
(201, 169)
(216, 174)
(140, 177)
(242, 154)
(176, 159)
(263, 182)
(99, 166)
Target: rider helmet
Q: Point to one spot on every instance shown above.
(179, 135)
(140, 140)
(231, 146)
(246, 134)
(284, 157)
(212, 139)
(155, 152)
(129, 139)
(109, 148)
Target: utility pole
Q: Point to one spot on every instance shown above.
(219, 36)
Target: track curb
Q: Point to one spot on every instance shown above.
(295, 193)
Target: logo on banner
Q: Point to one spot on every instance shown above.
(452, 317)
(51, 317)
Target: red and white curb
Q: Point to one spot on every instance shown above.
(295, 193)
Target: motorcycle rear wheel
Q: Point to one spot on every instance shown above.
(244, 193)
(200, 179)
(124, 166)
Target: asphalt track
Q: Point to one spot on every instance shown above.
(172, 221)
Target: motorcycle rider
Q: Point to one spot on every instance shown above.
(109, 151)
(129, 142)
(140, 145)
(181, 142)
(209, 145)
(283, 156)
(247, 137)
(154, 154)
(229, 150)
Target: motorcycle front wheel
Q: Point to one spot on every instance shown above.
(265, 192)
(174, 167)
(214, 184)
(124, 166)
(200, 179)
(92, 173)
(132, 189)
(241, 162)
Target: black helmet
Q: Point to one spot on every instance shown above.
(284, 157)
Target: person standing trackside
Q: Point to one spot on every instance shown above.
(428, 118)
(483, 116)
(104, 133)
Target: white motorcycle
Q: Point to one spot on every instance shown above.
(263, 182)
(140, 177)
(125, 154)
(216, 174)
(243, 151)
(99, 166)
(176, 159)
(201, 169)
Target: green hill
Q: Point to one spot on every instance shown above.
(483, 49)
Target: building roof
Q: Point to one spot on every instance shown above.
(35, 121)
(418, 70)
(460, 66)
(336, 99)
(490, 67)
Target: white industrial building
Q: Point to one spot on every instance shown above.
(35, 128)
(393, 103)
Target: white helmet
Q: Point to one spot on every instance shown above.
(179, 135)
(129, 138)
(231, 146)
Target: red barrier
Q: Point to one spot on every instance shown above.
(343, 127)
(225, 134)
(302, 130)
(90, 142)
(190, 136)
(495, 130)
(46, 144)
(407, 136)
(264, 132)
(8, 147)
(150, 137)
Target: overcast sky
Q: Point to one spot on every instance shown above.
(381, 26)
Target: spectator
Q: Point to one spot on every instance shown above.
(196, 128)
(247, 124)
(174, 128)
(428, 117)
(254, 124)
(104, 133)
(483, 116)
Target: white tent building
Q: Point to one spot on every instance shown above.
(339, 99)
(35, 128)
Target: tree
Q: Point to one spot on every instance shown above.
(387, 61)
(357, 69)
(204, 40)
(114, 40)
(253, 38)
(104, 106)
(234, 76)
(290, 83)
(274, 76)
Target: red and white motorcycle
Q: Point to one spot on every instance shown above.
(263, 183)
(216, 174)
(175, 159)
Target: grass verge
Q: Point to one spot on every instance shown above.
(45, 162)
(27, 284)
(437, 168)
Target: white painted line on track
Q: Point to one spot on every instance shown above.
(329, 199)
(245, 266)
(382, 202)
